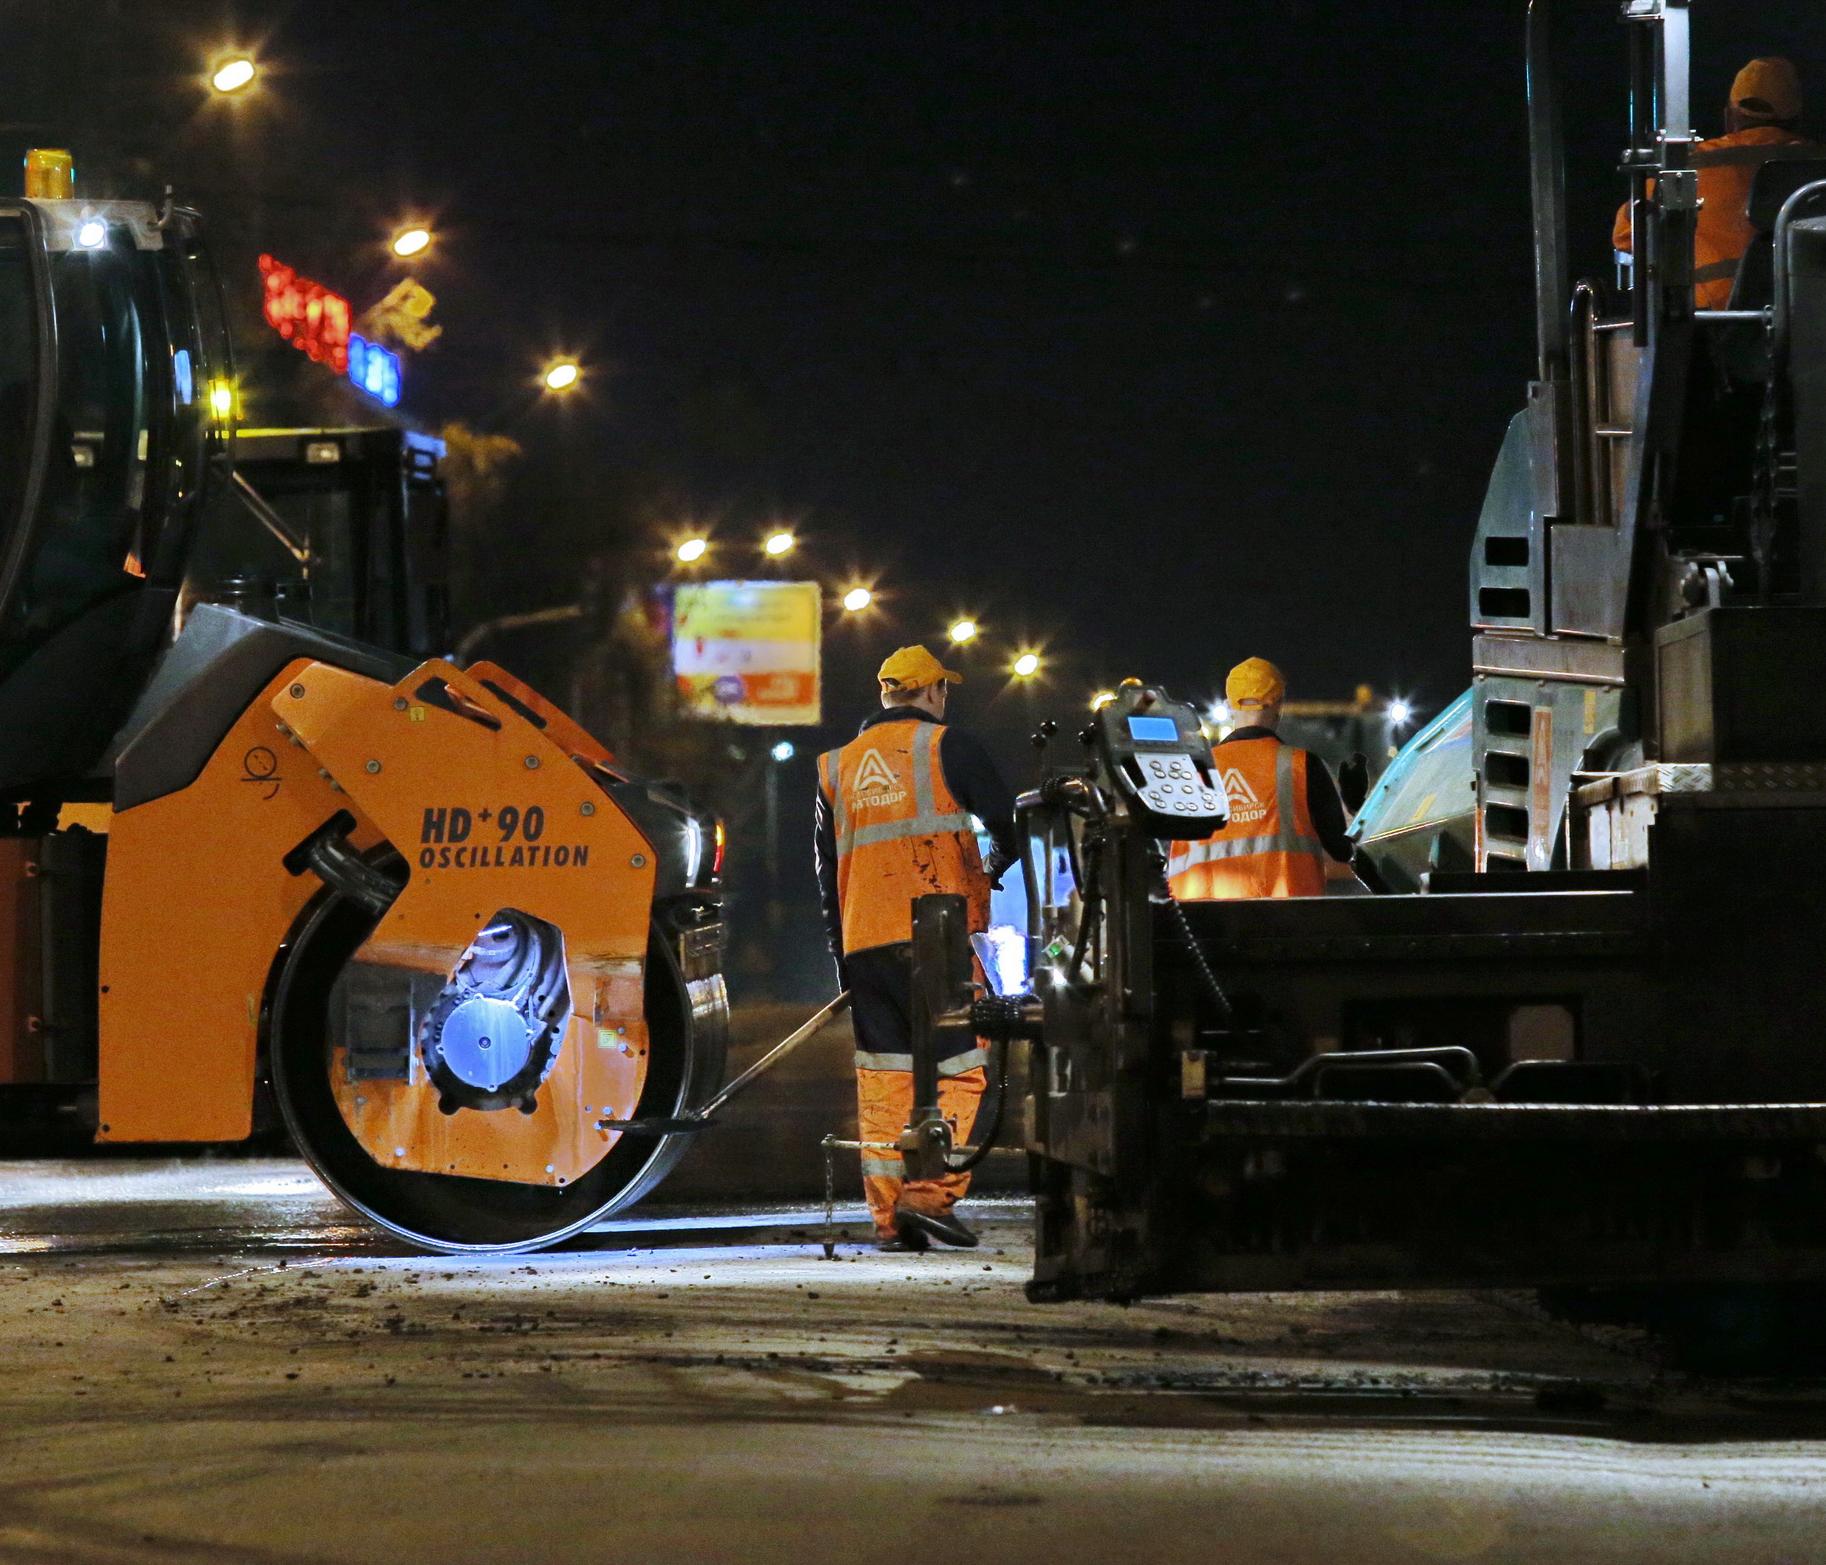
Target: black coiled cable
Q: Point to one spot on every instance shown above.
(1184, 924)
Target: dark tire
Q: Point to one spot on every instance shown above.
(448, 1213)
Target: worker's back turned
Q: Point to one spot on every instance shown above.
(1286, 817)
(1761, 121)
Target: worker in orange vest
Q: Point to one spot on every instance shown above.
(893, 823)
(1285, 812)
(1760, 120)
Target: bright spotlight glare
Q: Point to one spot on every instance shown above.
(692, 550)
(857, 599)
(93, 234)
(1400, 712)
(221, 399)
(962, 630)
(1027, 665)
(411, 241)
(233, 74)
(561, 376)
(779, 543)
(784, 750)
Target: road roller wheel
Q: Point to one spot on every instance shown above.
(449, 1213)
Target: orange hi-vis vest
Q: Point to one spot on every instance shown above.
(1269, 848)
(900, 832)
(1727, 168)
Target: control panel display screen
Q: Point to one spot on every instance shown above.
(1153, 730)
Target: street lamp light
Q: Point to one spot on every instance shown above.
(1400, 713)
(962, 630)
(779, 543)
(692, 550)
(857, 599)
(784, 751)
(232, 74)
(561, 375)
(411, 241)
(1027, 665)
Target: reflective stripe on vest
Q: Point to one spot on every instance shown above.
(924, 845)
(926, 819)
(1756, 153)
(1286, 843)
(840, 812)
(953, 1065)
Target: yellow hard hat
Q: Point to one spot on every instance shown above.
(913, 668)
(1768, 89)
(1254, 682)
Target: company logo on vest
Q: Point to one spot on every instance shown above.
(875, 782)
(1244, 805)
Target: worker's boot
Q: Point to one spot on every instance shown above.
(945, 1227)
(906, 1238)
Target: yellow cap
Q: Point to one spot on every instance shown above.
(1254, 682)
(1768, 89)
(50, 175)
(913, 668)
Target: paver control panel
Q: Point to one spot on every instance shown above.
(1157, 756)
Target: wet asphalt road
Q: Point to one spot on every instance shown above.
(208, 1360)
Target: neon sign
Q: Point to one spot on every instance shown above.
(374, 369)
(306, 314)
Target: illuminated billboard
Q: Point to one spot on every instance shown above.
(748, 651)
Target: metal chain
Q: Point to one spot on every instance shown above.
(833, 1144)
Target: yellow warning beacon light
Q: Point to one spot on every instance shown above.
(50, 175)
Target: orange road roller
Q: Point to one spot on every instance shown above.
(240, 854)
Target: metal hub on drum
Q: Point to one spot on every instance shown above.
(494, 1033)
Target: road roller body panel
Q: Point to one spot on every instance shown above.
(253, 869)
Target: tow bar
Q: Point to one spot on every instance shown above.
(701, 1118)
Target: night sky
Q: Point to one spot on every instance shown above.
(1154, 335)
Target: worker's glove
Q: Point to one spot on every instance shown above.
(1353, 782)
(999, 865)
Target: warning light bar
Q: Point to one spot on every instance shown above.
(307, 315)
(374, 369)
(49, 174)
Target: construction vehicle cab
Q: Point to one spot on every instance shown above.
(1588, 1055)
(476, 966)
(104, 410)
(344, 528)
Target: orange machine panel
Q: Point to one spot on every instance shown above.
(560, 727)
(194, 907)
(490, 814)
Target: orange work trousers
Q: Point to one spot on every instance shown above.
(884, 1099)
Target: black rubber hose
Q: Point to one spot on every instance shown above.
(1093, 910)
(998, 1076)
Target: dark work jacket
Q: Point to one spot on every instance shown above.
(1322, 799)
(974, 781)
